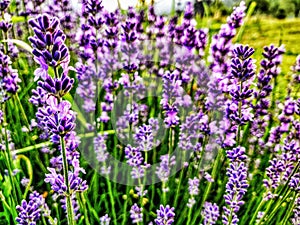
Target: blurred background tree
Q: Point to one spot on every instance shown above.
(218, 8)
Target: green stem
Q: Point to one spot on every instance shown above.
(164, 193)
(179, 186)
(274, 211)
(209, 185)
(70, 213)
(9, 163)
(125, 208)
(112, 201)
(189, 215)
(2, 198)
(290, 210)
(16, 96)
(86, 217)
(252, 221)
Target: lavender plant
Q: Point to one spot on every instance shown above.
(129, 117)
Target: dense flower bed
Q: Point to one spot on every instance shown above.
(134, 118)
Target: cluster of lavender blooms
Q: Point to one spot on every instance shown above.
(165, 215)
(115, 52)
(238, 112)
(8, 76)
(210, 213)
(193, 191)
(30, 212)
(268, 72)
(105, 220)
(55, 116)
(283, 166)
(27, 8)
(236, 186)
(136, 214)
(97, 57)
(220, 54)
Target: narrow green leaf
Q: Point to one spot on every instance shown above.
(242, 29)
(20, 43)
(18, 19)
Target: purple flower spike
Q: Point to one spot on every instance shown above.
(236, 18)
(236, 186)
(48, 41)
(144, 137)
(242, 66)
(105, 220)
(134, 156)
(236, 154)
(57, 86)
(210, 213)
(194, 186)
(136, 213)
(165, 215)
(296, 211)
(8, 77)
(4, 4)
(29, 213)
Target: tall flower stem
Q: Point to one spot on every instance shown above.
(70, 213)
(112, 200)
(9, 162)
(209, 185)
(189, 215)
(290, 209)
(85, 211)
(125, 205)
(284, 193)
(252, 221)
(179, 184)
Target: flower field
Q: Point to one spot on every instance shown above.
(129, 117)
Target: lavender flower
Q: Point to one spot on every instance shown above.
(29, 213)
(4, 4)
(210, 213)
(194, 186)
(136, 214)
(165, 215)
(220, 53)
(164, 168)
(54, 115)
(25, 181)
(9, 80)
(58, 185)
(57, 86)
(236, 186)
(281, 167)
(105, 220)
(144, 137)
(193, 190)
(269, 70)
(296, 211)
(48, 44)
(192, 132)
(134, 156)
(100, 148)
(86, 87)
(58, 118)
